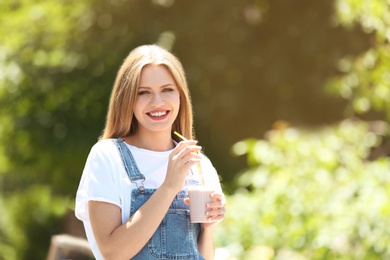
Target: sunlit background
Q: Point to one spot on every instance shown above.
(291, 102)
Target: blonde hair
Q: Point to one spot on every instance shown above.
(120, 119)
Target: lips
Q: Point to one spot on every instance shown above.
(158, 115)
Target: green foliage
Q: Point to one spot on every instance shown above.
(365, 78)
(32, 215)
(39, 166)
(38, 97)
(310, 194)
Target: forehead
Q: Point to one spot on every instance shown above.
(156, 75)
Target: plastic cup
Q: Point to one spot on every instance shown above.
(199, 197)
(199, 192)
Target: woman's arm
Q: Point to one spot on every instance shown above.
(123, 241)
(206, 243)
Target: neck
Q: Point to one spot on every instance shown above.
(155, 141)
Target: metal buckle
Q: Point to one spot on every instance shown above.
(141, 187)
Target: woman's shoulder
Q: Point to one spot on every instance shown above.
(105, 146)
(104, 143)
(104, 153)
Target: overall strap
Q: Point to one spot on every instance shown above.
(130, 165)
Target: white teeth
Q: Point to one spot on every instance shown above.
(158, 113)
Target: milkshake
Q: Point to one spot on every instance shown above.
(199, 197)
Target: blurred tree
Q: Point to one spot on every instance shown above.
(40, 101)
(313, 194)
(310, 194)
(365, 78)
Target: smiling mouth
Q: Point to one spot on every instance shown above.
(158, 114)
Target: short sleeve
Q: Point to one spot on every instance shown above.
(98, 183)
(211, 176)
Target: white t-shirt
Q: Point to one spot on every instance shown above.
(105, 179)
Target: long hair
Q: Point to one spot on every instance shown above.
(120, 119)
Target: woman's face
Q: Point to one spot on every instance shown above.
(158, 100)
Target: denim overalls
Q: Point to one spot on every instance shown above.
(176, 237)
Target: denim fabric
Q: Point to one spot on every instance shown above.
(130, 165)
(176, 237)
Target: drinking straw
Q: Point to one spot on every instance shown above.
(199, 168)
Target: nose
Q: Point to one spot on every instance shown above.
(157, 100)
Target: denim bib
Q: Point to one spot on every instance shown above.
(175, 237)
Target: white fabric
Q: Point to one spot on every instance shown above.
(104, 179)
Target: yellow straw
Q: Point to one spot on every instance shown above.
(199, 168)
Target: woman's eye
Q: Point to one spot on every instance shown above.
(143, 93)
(168, 89)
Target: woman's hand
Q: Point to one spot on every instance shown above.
(183, 157)
(215, 210)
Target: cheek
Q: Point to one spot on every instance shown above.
(138, 107)
(178, 102)
(174, 99)
(141, 102)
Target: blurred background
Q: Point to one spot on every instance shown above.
(291, 103)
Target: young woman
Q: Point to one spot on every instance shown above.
(132, 197)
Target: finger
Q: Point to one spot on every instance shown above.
(191, 157)
(217, 196)
(187, 201)
(189, 149)
(187, 165)
(215, 205)
(215, 216)
(187, 160)
(183, 144)
(215, 219)
(214, 213)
